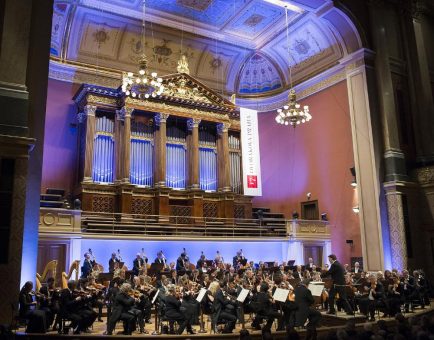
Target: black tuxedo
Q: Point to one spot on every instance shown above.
(303, 301)
(265, 310)
(238, 259)
(337, 273)
(121, 307)
(297, 275)
(76, 310)
(86, 268)
(159, 261)
(173, 312)
(222, 312)
(137, 265)
(112, 265)
(180, 264)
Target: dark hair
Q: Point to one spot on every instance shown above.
(333, 257)
(264, 287)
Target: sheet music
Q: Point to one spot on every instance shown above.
(281, 295)
(201, 295)
(243, 295)
(155, 296)
(316, 288)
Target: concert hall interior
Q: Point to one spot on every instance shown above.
(260, 134)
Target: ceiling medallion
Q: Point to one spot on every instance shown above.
(145, 84)
(291, 113)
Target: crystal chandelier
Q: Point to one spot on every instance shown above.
(144, 84)
(291, 113)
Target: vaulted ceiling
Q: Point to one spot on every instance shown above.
(233, 46)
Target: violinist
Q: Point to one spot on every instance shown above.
(395, 296)
(222, 309)
(373, 299)
(298, 274)
(113, 260)
(36, 318)
(265, 309)
(304, 301)
(408, 288)
(97, 295)
(173, 310)
(50, 301)
(123, 303)
(86, 268)
(73, 306)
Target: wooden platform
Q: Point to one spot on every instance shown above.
(328, 323)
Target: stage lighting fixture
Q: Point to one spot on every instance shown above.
(356, 209)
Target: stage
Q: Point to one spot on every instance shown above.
(328, 323)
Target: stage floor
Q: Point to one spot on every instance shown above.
(328, 322)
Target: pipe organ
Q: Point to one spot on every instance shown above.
(176, 154)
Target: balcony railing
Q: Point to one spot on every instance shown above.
(54, 220)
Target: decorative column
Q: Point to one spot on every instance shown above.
(394, 157)
(395, 214)
(193, 153)
(119, 141)
(414, 19)
(368, 177)
(126, 113)
(224, 179)
(88, 114)
(160, 150)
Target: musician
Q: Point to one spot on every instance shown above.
(36, 318)
(222, 308)
(356, 269)
(139, 264)
(265, 309)
(239, 259)
(173, 310)
(160, 259)
(337, 273)
(123, 303)
(73, 306)
(309, 265)
(304, 300)
(395, 296)
(218, 259)
(97, 296)
(408, 288)
(374, 299)
(113, 260)
(201, 261)
(50, 301)
(86, 268)
(181, 262)
(298, 274)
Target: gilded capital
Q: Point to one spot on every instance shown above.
(124, 112)
(223, 128)
(193, 123)
(89, 110)
(161, 118)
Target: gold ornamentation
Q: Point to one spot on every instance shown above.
(89, 110)
(223, 128)
(193, 123)
(183, 65)
(161, 118)
(180, 89)
(425, 175)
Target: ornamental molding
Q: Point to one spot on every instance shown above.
(425, 175)
(223, 128)
(161, 118)
(89, 110)
(193, 123)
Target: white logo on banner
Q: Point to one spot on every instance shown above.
(250, 152)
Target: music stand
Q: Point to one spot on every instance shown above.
(155, 269)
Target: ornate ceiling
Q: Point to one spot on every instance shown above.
(233, 46)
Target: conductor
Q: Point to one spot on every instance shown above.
(337, 273)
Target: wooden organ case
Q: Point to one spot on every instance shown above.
(178, 154)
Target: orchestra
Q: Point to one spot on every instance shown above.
(129, 296)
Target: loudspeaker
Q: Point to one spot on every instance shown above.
(353, 171)
(349, 241)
